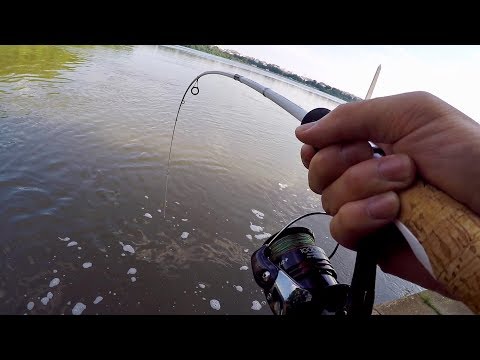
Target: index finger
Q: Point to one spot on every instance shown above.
(384, 120)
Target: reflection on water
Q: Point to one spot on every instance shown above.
(35, 62)
(84, 137)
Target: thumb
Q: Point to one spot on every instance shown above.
(381, 120)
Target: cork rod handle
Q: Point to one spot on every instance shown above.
(450, 234)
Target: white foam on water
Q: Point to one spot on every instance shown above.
(123, 254)
(79, 248)
(184, 235)
(238, 288)
(146, 197)
(264, 302)
(127, 248)
(202, 286)
(54, 282)
(54, 271)
(203, 298)
(147, 215)
(255, 228)
(87, 265)
(30, 305)
(133, 278)
(215, 304)
(176, 202)
(282, 186)
(159, 210)
(64, 239)
(256, 305)
(78, 308)
(45, 300)
(131, 271)
(263, 236)
(173, 217)
(72, 243)
(258, 214)
(184, 219)
(49, 295)
(245, 250)
(249, 237)
(244, 268)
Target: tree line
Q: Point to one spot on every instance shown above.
(234, 55)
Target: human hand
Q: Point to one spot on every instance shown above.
(421, 134)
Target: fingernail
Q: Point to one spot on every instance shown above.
(383, 206)
(304, 127)
(394, 167)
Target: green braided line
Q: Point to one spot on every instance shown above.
(290, 242)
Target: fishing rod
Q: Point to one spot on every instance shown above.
(308, 283)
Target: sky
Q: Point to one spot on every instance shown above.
(451, 72)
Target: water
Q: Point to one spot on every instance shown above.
(84, 139)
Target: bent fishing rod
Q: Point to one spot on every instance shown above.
(442, 233)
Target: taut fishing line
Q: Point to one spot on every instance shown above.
(286, 104)
(283, 102)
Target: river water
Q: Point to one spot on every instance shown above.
(84, 137)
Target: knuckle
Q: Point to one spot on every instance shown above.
(316, 171)
(423, 95)
(341, 108)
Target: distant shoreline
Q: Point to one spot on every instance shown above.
(275, 69)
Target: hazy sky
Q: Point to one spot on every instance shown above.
(450, 72)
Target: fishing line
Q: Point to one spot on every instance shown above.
(293, 222)
(278, 99)
(283, 102)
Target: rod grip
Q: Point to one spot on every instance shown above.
(450, 234)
